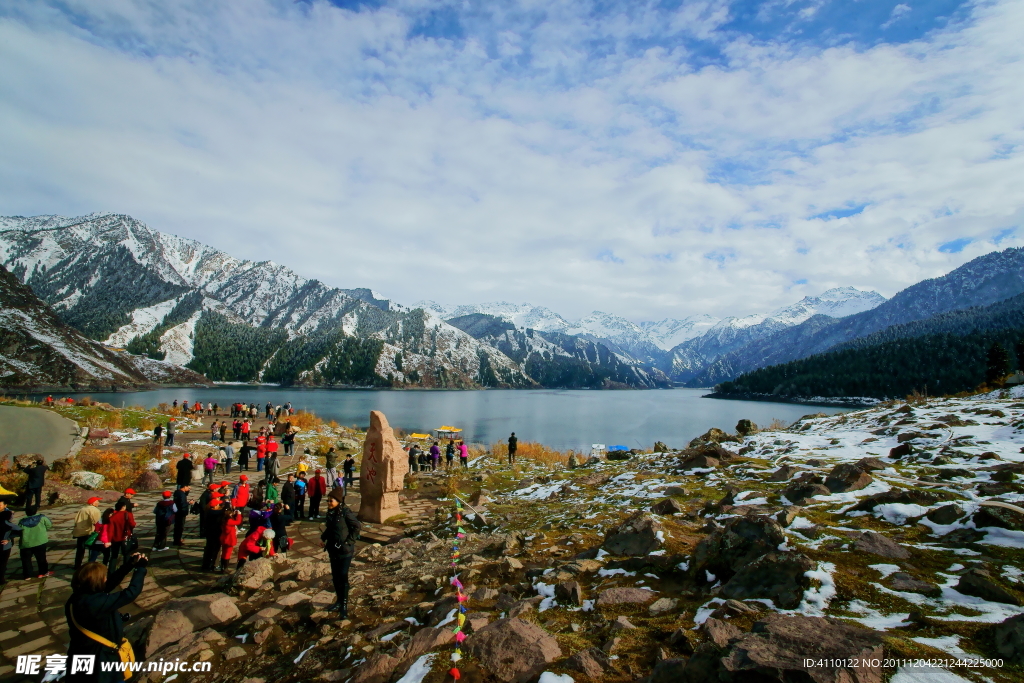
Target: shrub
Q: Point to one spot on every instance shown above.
(531, 450)
(304, 419)
(120, 470)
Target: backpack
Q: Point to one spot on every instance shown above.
(167, 512)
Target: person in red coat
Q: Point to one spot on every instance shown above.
(122, 525)
(261, 451)
(271, 445)
(241, 497)
(316, 489)
(251, 548)
(229, 537)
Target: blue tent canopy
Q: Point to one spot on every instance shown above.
(618, 448)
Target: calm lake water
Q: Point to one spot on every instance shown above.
(557, 418)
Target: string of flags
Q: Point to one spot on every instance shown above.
(460, 595)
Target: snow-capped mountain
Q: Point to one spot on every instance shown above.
(669, 333)
(835, 303)
(39, 351)
(524, 316)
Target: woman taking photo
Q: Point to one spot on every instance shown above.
(95, 626)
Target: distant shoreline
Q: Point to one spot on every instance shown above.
(824, 401)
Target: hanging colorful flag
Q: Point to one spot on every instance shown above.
(460, 597)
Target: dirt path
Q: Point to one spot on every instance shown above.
(35, 430)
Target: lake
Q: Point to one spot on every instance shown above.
(560, 419)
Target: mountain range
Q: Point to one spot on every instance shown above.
(117, 281)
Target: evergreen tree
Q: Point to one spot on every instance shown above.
(998, 364)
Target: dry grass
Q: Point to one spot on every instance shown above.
(119, 470)
(531, 450)
(776, 425)
(305, 419)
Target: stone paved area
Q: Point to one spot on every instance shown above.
(32, 612)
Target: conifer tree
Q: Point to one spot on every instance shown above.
(998, 364)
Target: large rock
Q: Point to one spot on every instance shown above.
(780, 648)
(905, 583)
(720, 632)
(784, 473)
(777, 576)
(1007, 639)
(847, 477)
(1000, 517)
(206, 610)
(427, 639)
(979, 583)
(86, 480)
(148, 481)
(871, 464)
(381, 472)
(592, 662)
(877, 544)
(625, 596)
(376, 669)
(641, 534)
(910, 496)
(669, 506)
(254, 573)
(699, 462)
(745, 427)
(168, 627)
(513, 650)
(741, 541)
(799, 492)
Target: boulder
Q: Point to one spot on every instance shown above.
(947, 514)
(660, 447)
(595, 479)
(979, 583)
(573, 462)
(86, 480)
(713, 435)
(427, 639)
(784, 473)
(700, 461)
(640, 534)
(480, 497)
(619, 455)
(663, 606)
(148, 481)
(569, 592)
(877, 544)
(901, 581)
(668, 671)
(205, 610)
(669, 506)
(720, 632)
(898, 496)
(847, 477)
(99, 434)
(591, 662)
(625, 596)
(745, 427)
(777, 576)
(871, 464)
(168, 627)
(483, 594)
(783, 648)
(989, 515)
(799, 492)
(741, 541)
(901, 450)
(1007, 639)
(513, 650)
(376, 669)
(254, 573)
(621, 623)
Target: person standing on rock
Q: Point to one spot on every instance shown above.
(93, 611)
(34, 485)
(182, 503)
(513, 444)
(34, 537)
(85, 525)
(164, 511)
(184, 468)
(317, 489)
(341, 529)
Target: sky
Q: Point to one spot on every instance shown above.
(648, 159)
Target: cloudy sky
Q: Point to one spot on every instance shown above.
(648, 159)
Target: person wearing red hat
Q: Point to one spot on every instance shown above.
(122, 527)
(316, 489)
(229, 537)
(85, 524)
(182, 504)
(164, 512)
(127, 500)
(240, 495)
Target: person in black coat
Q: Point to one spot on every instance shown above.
(94, 606)
(288, 493)
(339, 539)
(183, 504)
(214, 521)
(34, 485)
(184, 469)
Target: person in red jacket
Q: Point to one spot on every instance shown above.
(241, 497)
(271, 445)
(261, 451)
(122, 525)
(229, 538)
(251, 548)
(316, 489)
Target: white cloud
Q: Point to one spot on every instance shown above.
(521, 162)
(898, 12)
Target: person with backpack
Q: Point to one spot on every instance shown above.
(316, 489)
(122, 526)
(85, 526)
(414, 451)
(95, 624)
(164, 512)
(34, 537)
(182, 504)
(341, 531)
(101, 544)
(449, 454)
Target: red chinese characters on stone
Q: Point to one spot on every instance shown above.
(381, 472)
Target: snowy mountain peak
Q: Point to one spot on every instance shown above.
(838, 302)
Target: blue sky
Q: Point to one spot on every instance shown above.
(649, 159)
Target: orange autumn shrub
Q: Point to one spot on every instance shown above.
(119, 470)
(304, 420)
(531, 450)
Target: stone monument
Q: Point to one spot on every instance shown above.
(381, 472)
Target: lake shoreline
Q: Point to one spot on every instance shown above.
(822, 401)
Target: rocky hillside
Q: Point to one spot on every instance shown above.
(39, 351)
(984, 281)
